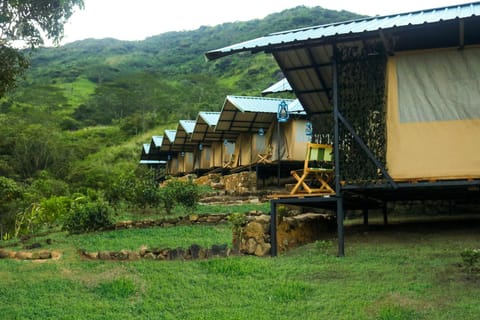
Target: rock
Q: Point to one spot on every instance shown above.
(44, 254)
(91, 255)
(262, 249)
(194, 251)
(217, 185)
(22, 255)
(251, 246)
(143, 250)
(214, 218)
(132, 256)
(3, 254)
(218, 250)
(176, 254)
(149, 256)
(254, 230)
(123, 224)
(103, 255)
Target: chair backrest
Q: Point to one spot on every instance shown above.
(319, 156)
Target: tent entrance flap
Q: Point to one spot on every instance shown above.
(433, 117)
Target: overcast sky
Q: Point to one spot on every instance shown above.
(136, 20)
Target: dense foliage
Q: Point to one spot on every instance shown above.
(26, 22)
(78, 119)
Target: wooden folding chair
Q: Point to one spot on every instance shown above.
(318, 169)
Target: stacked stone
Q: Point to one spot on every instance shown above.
(25, 255)
(207, 219)
(255, 236)
(292, 231)
(240, 183)
(194, 252)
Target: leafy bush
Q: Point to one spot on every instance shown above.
(10, 195)
(48, 213)
(88, 215)
(184, 193)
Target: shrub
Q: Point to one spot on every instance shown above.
(184, 193)
(88, 215)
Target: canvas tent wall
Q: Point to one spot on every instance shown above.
(434, 114)
(217, 151)
(246, 116)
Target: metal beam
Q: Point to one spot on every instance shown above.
(273, 228)
(317, 72)
(336, 145)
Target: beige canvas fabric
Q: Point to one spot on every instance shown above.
(433, 115)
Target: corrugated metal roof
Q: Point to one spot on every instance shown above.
(262, 105)
(157, 141)
(187, 125)
(170, 134)
(324, 32)
(210, 118)
(281, 86)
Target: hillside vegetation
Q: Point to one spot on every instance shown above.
(77, 119)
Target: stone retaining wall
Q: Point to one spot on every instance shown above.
(194, 252)
(25, 255)
(294, 231)
(237, 183)
(172, 222)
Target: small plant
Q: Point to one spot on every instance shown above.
(237, 219)
(120, 288)
(323, 246)
(471, 259)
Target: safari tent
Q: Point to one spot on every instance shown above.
(258, 137)
(183, 147)
(167, 147)
(151, 154)
(398, 98)
(210, 146)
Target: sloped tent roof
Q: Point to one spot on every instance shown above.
(278, 87)
(168, 140)
(204, 131)
(182, 138)
(249, 114)
(304, 55)
(145, 151)
(154, 149)
(150, 159)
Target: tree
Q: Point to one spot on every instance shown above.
(22, 22)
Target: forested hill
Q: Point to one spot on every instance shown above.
(80, 101)
(159, 80)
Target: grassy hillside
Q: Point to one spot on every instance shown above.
(78, 118)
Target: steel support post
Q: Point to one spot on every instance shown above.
(336, 146)
(273, 228)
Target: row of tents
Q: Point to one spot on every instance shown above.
(246, 132)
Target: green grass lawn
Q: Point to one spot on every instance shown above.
(410, 271)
